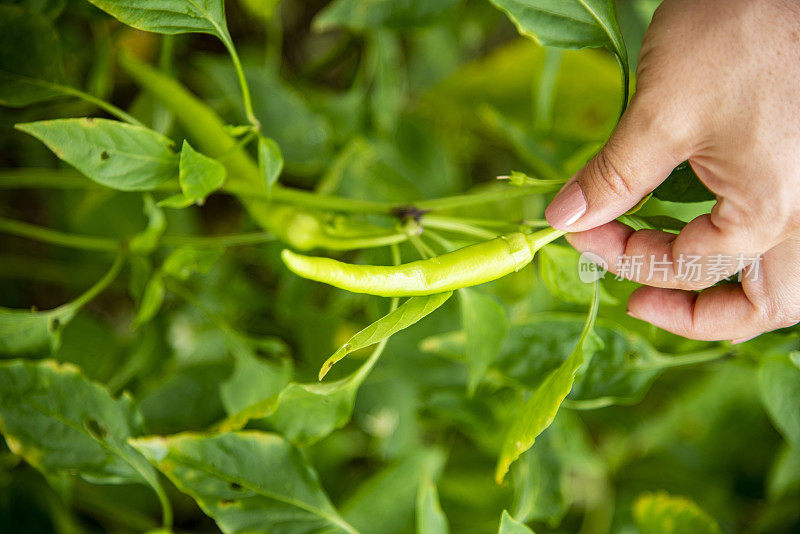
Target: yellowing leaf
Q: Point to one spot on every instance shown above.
(61, 423)
(661, 513)
(246, 481)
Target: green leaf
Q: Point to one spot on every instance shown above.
(622, 367)
(568, 23)
(270, 161)
(38, 333)
(306, 413)
(571, 24)
(661, 513)
(392, 491)
(485, 323)
(388, 91)
(61, 423)
(784, 476)
(538, 478)
(29, 77)
(31, 333)
(542, 406)
(152, 299)
(779, 381)
(112, 153)
(430, 517)
(361, 15)
(169, 16)
(399, 319)
(558, 267)
(185, 261)
(509, 525)
(198, 175)
(253, 379)
(246, 481)
(683, 185)
(146, 241)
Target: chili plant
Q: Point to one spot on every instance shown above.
(169, 169)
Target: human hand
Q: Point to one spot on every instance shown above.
(718, 85)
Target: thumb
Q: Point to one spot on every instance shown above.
(638, 156)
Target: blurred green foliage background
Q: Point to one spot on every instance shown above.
(391, 106)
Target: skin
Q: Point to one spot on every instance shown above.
(718, 85)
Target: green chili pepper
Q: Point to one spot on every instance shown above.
(469, 266)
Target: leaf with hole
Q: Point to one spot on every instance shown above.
(112, 153)
(61, 423)
(38, 333)
(246, 481)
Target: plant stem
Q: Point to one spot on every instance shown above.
(308, 199)
(539, 239)
(459, 227)
(471, 199)
(237, 65)
(102, 104)
(97, 288)
(55, 237)
(222, 241)
(692, 358)
(84, 242)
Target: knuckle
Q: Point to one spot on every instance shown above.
(779, 314)
(610, 174)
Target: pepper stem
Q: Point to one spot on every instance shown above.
(539, 239)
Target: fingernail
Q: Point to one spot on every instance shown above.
(741, 339)
(568, 206)
(634, 316)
